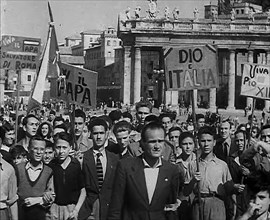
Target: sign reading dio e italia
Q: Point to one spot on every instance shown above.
(256, 81)
(191, 68)
(79, 86)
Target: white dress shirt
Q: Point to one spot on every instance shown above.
(151, 176)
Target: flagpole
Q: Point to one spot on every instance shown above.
(17, 104)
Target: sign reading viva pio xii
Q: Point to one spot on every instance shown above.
(256, 81)
(191, 68)
(79, 86)
(19, 52)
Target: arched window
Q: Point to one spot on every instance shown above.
(108, 43)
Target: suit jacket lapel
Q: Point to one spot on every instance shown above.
(161, 180)
(109, 167)
(138, 178)
(92, 168)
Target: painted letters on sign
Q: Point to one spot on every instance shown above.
(191, 68)
(79, 86)
(256, 81)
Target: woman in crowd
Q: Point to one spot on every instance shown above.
(45, 130)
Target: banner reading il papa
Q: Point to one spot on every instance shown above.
(79, 86)
(256, 81)
(191, 68)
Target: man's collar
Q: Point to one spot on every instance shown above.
(214, 159)
(97, 151)
(5, 147)
(124, 151)
(30, 166)
(146, 165)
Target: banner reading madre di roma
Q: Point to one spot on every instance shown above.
(256, 81)
(79, 86)
(191, 68)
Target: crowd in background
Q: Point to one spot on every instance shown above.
(139, 166)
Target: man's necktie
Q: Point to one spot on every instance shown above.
(99, 171)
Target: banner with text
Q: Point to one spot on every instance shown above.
(19, 52)
(191, 68)
(78, 87)
(256, 81)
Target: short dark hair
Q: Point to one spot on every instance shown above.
(115, 115)
(58, 118)
(35, 138)
(175, 129)
(185, 135)
(241, 131)
(25, 119)
(97, 122)
(61, 126)
(18, 150)
(107, 119)
(151, 126)
(63, 136)
(52, 112)
(80, 113)
(199, 116)
(206, 130)
(127, 115)
(165, 115)
(49, 144)
(122, 126)
(258, 181)
(6, 128)
(265, 127)
(151, 118)
(144, 103)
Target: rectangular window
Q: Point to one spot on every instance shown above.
(29, 78)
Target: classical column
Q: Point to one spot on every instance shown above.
(250, 60)
(2, 86)
(267, 59)
(127, 75)
(231, 83)
(137, 75)
(212, 99)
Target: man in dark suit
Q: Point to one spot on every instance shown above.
(99, 169)
(225, 146)
(146, 187)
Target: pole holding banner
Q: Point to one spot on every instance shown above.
(197, 152)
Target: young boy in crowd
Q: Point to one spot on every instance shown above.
(258, 184)
(68, 181)
(18, 154)
(35, 183)
(49, 152)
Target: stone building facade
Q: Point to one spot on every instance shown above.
(238, 38)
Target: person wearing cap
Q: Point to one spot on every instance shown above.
(98, 167)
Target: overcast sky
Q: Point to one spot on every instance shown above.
(30, 17)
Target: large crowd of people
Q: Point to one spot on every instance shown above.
(142, 166)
